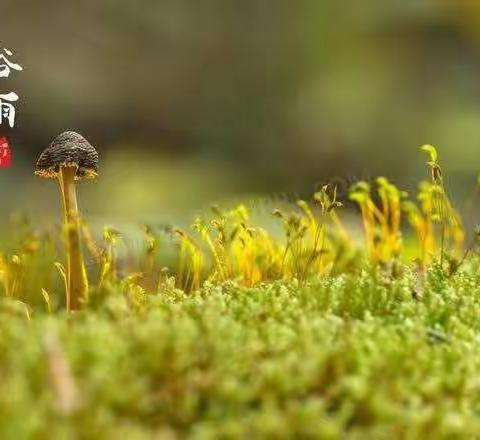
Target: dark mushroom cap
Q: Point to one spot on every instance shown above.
(68, 149)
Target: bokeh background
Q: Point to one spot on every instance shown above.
(194, 102)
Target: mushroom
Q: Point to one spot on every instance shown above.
(70, 157)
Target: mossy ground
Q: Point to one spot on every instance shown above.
(229, 330)
(365, 355)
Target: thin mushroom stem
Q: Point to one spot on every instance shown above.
(77, 282)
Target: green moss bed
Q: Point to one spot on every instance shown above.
(355, 356)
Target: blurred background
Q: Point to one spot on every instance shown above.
(195, 102)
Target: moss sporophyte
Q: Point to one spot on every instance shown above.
(225, 245)
(70, 158)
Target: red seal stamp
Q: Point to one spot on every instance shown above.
(5, 153)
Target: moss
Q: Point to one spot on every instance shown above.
(335, 357)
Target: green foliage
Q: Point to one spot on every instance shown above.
(239, 331)
(359, 356)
